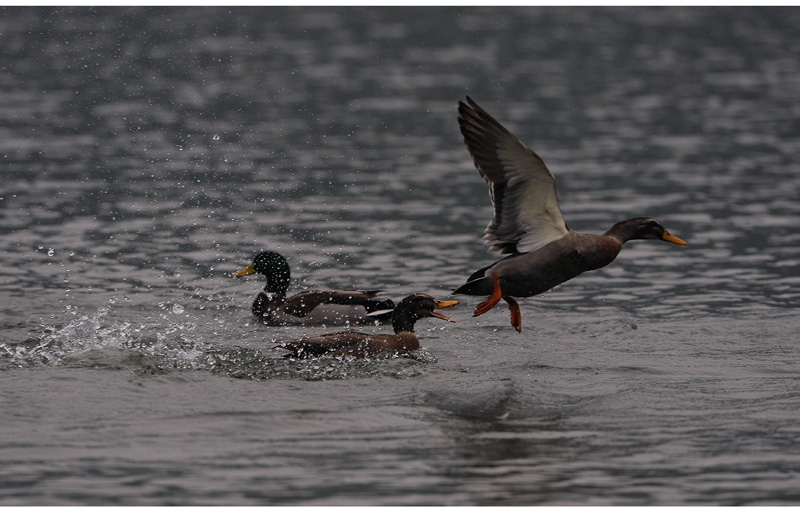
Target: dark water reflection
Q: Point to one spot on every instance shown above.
(147, 153)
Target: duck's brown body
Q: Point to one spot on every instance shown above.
(532, 273)
(355, 344)
(527, 224)
(359, 344)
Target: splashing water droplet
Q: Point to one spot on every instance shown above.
(177, 309)
(50, 252)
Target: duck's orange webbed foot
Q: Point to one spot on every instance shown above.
(516, 314)
(492, 301)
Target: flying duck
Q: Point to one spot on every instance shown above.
(527, 225)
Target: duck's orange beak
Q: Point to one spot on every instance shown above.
(442, 304)
(244, 272)
(667, 237)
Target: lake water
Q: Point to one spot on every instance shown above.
(148, 153)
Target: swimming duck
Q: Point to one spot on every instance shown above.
(357, 344)
(312, 307)
(527, 225)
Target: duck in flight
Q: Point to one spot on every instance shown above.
(312, 307)
(357, 344)
(527, 225)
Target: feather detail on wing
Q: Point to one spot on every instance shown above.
(345, 342)
(303, 303)
(325, 342)
(523, 191)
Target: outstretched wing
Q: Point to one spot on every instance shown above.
(526, 211)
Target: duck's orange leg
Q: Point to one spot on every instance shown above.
(493, 299)
(516, 315)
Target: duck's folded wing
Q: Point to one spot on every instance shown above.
(523, 191)
(304, 302)
(317, 345)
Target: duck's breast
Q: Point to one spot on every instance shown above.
(597, 251)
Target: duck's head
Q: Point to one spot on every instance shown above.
(417, 306)
(272, 265)
(642, 228)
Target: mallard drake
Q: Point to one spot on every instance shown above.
(527, 225)
(358, 344)
(312, 307)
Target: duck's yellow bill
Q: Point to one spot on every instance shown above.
(244, 272)
(672, 239)
(442, 304)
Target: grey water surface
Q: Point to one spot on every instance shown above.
(145, 154)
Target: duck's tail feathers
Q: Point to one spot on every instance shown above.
(372, 293)
(379, 309)
(472, 287)
(476, 284)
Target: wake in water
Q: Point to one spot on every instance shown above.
(162, 345)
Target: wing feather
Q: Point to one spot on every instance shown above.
(337, 342)
(304, 303)
(316, 345)
(523, 191)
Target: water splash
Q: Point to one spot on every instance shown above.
(94, 340)
(254, 364)
(159, 346)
